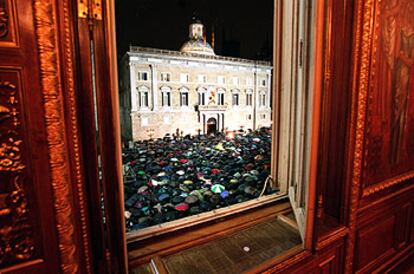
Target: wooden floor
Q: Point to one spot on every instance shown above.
(230, 255)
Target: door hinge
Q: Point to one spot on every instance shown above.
(95, 9)
(83, 8)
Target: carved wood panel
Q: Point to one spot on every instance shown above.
(411, 226)
(43, 219)
(383, 232)
(369, 247)
(16, 239)
(402, 225)
(382, 126)
(8, 28)
(389, 128)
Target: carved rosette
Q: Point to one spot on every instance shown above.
(16, 242)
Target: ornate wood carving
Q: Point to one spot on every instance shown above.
(372, 189)
(16, 242)
(8, 31)
(360, 74)
(390, 126)
(51, 88)
(380, 143)
(4, 22)
(75, 144)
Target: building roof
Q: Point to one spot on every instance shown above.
(133, 50)
(197, 46)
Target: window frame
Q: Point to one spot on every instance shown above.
(168, 77)
(235, 81)
(140, 74)
(201, 78)
(187, 78)
(166, 97)
(235, 98)
(221, 96)
(110, 94)
(249, 98)
(183, 91)
(142, 96)
(202, 96)
(221, 82)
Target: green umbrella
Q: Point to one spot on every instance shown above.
(217, 188)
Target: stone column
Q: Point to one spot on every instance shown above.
(133, 83)
(204, 124)
(269, 90)
(218, 123)
(255, 97)
(154, 88)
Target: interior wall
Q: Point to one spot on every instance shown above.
(382, 166)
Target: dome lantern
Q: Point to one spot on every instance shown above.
(196, 43)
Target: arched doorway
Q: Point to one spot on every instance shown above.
(211, 126)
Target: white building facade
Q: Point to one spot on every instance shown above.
(191, 91)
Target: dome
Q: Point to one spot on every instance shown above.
(196, 43)
(197, 46)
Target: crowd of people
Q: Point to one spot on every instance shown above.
(179, 176)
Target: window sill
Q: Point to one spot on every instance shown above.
(202, 218)
(141, 252)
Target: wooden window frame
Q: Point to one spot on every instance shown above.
(107, 77)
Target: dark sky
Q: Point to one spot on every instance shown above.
(246, 26)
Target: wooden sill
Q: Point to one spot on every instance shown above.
(329, 231)
(205, 217)
(143, 251)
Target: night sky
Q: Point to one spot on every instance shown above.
(242, 28)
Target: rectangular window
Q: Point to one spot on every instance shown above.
(169, 186)
(142, 76)
(249, 99)
(166, 99)
(236, 81)
(165, 77)
(262, 100)
(143, 99)
(220, 99)
(201, 98)
(202, 79)
(184, 99)
(184, 78)
(221, 80)
(235, 100)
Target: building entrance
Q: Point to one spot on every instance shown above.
(211, 126)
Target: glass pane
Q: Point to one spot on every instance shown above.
(196, 115)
